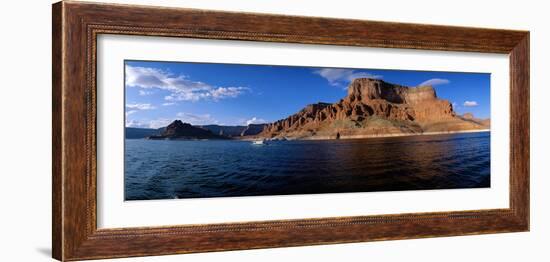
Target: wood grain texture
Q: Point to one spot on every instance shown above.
(57, 199)
(519, 129)
(76, 26)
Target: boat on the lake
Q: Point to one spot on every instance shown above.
(259, 142)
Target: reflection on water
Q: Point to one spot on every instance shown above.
(189, 169)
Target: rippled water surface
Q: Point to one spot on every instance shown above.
(189, 169)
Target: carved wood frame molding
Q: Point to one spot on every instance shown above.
(76, 26)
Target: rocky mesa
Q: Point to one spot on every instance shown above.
(373, 107)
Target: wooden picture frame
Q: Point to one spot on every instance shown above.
(76, 26)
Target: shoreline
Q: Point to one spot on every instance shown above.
(343, 137)
(374, 135)
(398, 135)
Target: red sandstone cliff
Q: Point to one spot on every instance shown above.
(374, 107)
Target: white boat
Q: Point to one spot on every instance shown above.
(259, 142)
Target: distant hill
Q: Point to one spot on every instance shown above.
(470, 117)
(253, 129)
(138, 133)
(234, 131)
(225, 130)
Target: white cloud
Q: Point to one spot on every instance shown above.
(180, 87)
(144, 92)
(196, 119)
(168, 104)
(470, 103)
(223, 92)
(255, 120)
(135, 123)
(435, 82)
(338, 77)
(156, 123)
(137, 106)
(130, 112)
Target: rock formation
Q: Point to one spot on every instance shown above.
(180, 130)
(373, 107)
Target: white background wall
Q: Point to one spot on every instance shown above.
(25, 93)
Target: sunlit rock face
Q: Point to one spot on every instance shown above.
(373, 107)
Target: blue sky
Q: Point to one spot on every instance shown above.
(231, 94)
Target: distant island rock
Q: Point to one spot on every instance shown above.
(180, 130)
(219, 130)
(374, 107)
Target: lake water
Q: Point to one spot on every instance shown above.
(221, 168)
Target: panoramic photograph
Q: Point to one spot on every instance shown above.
(201, 130)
